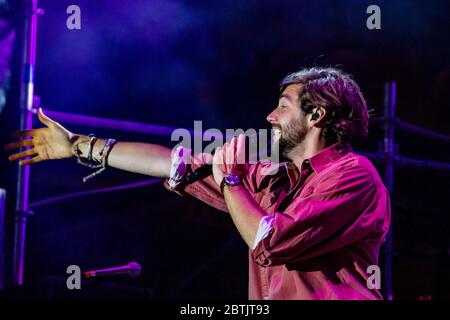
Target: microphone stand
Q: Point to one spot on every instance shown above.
(30, 12)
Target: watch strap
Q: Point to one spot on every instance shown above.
(225, 183)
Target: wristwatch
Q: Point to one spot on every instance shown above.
(230, 180)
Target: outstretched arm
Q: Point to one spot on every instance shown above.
(56, 142)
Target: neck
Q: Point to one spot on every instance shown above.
(306, 149)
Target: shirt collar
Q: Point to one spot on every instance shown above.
(327, 156)
(323, 158)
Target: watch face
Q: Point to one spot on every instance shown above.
(232, 179)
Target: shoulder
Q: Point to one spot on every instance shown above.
(358, 167)
(360, 161)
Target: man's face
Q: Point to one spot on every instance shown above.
(288, 122)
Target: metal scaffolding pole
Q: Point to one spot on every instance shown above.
(30, 11)
(390, 92)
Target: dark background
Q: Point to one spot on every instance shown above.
(173, 62)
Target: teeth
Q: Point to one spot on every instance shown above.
(277, 131)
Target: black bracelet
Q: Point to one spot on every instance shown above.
(89, 162)
(91, 147)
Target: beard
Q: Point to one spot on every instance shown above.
(292, 135)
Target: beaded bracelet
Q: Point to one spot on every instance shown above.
(91, 162)
(103, 154)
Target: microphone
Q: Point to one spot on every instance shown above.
(206, 170)
(200, 174)
(133, 269)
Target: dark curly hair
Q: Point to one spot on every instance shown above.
(347, 116)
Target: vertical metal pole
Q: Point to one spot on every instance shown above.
(26, 102)
(2, 237)
(390, 92)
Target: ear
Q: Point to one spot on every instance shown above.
(317, 116)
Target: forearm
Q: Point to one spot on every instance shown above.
(245, 212)
(143, 158)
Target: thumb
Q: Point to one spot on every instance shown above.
(43, 118)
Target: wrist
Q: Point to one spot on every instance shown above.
(79, 145)
(83, 147)
(237, 189)
(230, 181)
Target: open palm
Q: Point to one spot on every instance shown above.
(51, 142)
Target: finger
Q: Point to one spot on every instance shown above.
(22, 154)
(218, 156)
(233, 150)
(44, 119)
(24, 133)
(240, 149)
(30, 161)
(226, 153)
(18, 144)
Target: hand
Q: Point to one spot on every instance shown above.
(230, 159)
(52, 142)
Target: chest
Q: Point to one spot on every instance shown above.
(279, 192)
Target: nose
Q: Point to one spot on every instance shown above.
(272, 116)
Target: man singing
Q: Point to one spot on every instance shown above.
(313, 226)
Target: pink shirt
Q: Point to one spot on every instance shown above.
(330, 218)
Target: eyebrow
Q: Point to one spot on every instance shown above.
(285, 96)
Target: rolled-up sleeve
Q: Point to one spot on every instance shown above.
(344, 208)
(207, 190)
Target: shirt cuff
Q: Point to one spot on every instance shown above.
(265, 226)
(178, 167)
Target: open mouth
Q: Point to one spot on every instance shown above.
(276, 131)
